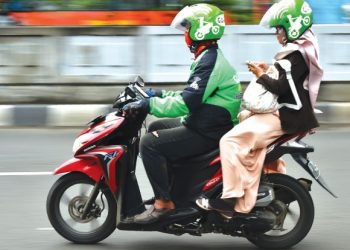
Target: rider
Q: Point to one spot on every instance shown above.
(208, 105)
(243, 149)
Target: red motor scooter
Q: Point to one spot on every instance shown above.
(99, 191)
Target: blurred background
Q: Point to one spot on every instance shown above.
(136, 12)
(62, 62)
(58, 56)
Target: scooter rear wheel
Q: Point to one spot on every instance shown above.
(295, 200)
(65, 203)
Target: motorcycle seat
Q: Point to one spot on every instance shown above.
(212, 155)
(276, 149)
(287, 137)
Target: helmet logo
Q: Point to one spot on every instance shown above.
(296, 24)
(305, 9)
(205, 28)
(220, 20)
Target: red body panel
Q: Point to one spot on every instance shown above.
(88, 166)
(216, 160)
(91, 164)
(217, 178)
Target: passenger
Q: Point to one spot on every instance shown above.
(210, 104)
(243, 149)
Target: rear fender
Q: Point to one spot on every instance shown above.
(87, 165)
(313, 170)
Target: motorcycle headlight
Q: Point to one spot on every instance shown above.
(80, 141)
(76, 145)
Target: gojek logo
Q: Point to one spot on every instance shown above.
(297, 23)
(208, 27)
(194, 84)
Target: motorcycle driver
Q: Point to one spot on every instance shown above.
(208, 105)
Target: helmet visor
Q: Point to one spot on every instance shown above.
(181, 20)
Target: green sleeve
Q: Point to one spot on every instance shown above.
(166, 93)
(169, 106)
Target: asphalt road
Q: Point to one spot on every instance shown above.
(27, 156)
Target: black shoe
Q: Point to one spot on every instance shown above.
(152, 215)
(224, 207)
(128, 220)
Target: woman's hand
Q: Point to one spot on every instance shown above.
(263, 66)
(257, 68)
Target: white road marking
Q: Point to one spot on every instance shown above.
(44, 229)
(24, 173)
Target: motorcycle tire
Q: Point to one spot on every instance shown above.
(61, 225)
(285, 185)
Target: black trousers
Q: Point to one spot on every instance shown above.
(167, 141)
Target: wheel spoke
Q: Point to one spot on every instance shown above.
(72, 223)
(83, 189)
(289, 220)
(293, 215)
(95, 224)
(66, 199)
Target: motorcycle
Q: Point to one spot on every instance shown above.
(99, 191)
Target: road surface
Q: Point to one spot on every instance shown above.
(28, 156)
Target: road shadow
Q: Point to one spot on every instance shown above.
(165, 244)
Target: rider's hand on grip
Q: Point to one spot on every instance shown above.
(154, 92)
(134, 108)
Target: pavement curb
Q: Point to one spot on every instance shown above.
(78, 115)
(50, 115)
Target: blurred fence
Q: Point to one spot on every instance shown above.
(49, 65)
(50, 55)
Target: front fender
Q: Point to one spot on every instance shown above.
(88, 166)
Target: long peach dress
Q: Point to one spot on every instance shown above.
(242, 153)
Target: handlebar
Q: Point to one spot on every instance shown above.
(133, 92)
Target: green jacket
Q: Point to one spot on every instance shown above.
(211, 101)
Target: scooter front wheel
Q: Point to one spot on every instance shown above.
(65, 203)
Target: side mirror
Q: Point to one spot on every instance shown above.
(139, 81)
(129, 92)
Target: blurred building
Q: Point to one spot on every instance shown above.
(329, 12)
(150, 12)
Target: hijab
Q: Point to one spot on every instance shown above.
(307, 44)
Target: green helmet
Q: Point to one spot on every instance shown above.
(203, 22)
(295, 16)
